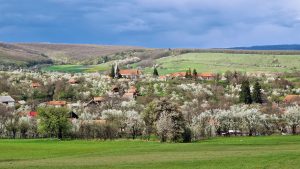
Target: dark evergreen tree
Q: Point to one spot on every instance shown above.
(112, 72)
(155, 72)
(245, 94)
(257, 98)
(188, 73)
(195, 73)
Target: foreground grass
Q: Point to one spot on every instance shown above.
(238, 152)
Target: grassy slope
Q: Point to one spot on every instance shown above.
(213, 62)
(239, 152)
(221, 62)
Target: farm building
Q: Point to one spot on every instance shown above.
(289, 99)
(7, 100)
(57, 103)
(130, 73)
(35, 85)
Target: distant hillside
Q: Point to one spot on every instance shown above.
(270, 47)
(27, 53)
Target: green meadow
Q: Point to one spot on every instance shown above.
(276, 152)
(205, 62)
(221, 62)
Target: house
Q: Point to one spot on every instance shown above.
(7, 100)
(163, 78)
(57, 103)
(73, 81)
(178, 75)
(131, 93)
(129, 96)
(130, 73)
(35, 85)
(289, 99)
(32, 114)
(206, 76)
(96, 100)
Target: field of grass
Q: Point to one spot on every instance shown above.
(221, 62)
(276, 152)
(206, 62)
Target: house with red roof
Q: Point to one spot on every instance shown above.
(289, 99)
(130, 73)
(57, 103)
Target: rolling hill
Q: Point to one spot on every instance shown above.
(270, 47)
(26, 53)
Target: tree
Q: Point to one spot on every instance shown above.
(5, 115)
(188, 73)
(12, 126)
(195, 73)
(170, 121)
(148, 116)
(292, 117)
(54, 121)
(245, 94)
(257, 98)
(112, 72)
(155, 72)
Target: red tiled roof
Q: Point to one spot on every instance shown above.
(206, 75)
(292, 98)
(128, 72)
(132, 89)
(72, 81)
(34, 85)
(57, 103)
(178, 74)
(33, 114)
(128, 95)
(99, 99)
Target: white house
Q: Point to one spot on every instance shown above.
(7, 100)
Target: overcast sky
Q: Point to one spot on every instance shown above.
(152, 23)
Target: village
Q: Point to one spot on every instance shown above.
(126, 103)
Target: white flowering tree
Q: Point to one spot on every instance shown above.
(134, 123)
(292, 116)
(204, 125)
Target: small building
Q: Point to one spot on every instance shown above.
(206, 76)
(129, 96)
(73, 81)
(35, 85)
(57, 103)
(178, 75)
(131, 93)
(130, 73)
(96, 101)
(32, 114)
(7, 100)
(289, 99)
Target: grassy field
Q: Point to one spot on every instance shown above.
(221, 62)
(282, 152)
(207, 62)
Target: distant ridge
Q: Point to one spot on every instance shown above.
(270, 47)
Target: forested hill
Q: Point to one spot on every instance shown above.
(270, 47)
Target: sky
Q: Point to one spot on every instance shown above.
(152, 23)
